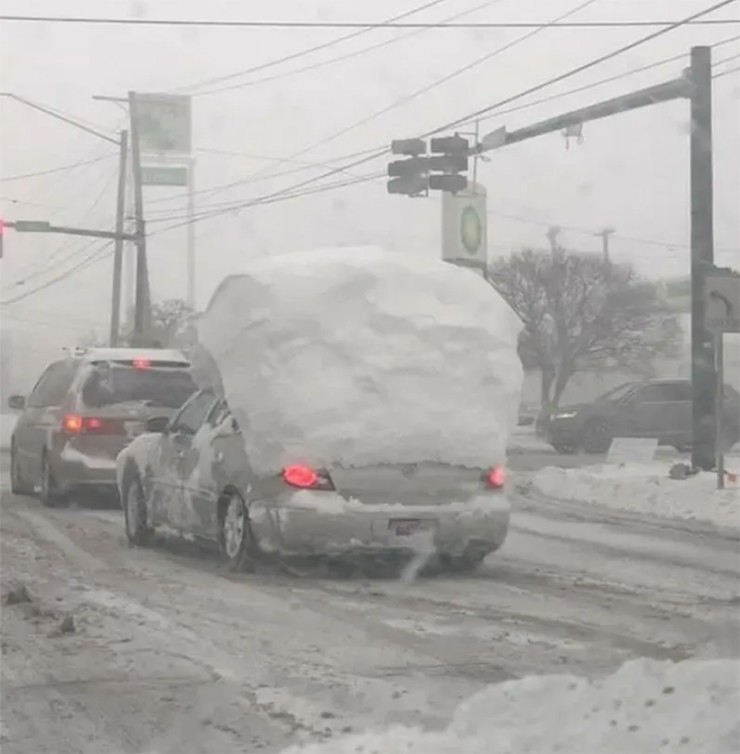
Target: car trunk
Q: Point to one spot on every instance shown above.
(409, 484)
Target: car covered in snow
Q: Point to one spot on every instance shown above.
(352, 403)
(84, 410)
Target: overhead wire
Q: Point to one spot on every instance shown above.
(580, 68)
(302, 53)
(97, 256)
(234, 23)
(341, 58)
(60, 169)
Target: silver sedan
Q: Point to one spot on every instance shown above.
(190, 473)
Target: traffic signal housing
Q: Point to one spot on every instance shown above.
(410, 176)
(449, 159)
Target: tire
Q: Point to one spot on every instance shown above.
(564, 449)
(597, 437)
(138, 532)
(18, 486)
(50, 494)
(235, 536)
(464, 564)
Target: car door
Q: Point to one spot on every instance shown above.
(656, 411)
(203, 467)
(42, 417)
(168, 501)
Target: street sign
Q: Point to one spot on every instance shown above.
(164, 123)
(465, 227)
(32, 226)
(164, 175)
(494, 139)
(722, 303)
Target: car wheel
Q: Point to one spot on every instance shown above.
(50, 494)
(465, 563)
(18, 485)
(564, 449)
(138, 532)
(597, 437)
(237, 540)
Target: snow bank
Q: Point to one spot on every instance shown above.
(7, 425)
(357, 356)
(646, 706)
(645, 489)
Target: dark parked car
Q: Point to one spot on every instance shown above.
(657, 409)
(84, 410)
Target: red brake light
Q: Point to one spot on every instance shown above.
(300, 476)
(495, 478)
(72, 424)
(306, 478)
(142, 363)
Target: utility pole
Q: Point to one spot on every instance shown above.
(142, 313)
(695, 85)
(115, 312)
(702, 258)
(191, 234)
(604, 236)
(552, 236)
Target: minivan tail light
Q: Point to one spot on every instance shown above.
(495, 478)
(307, 478)
(74, 424)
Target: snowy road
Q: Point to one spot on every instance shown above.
(171, 653)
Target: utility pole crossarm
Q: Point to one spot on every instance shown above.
(27, 226)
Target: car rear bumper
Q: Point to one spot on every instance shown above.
(75, 469)
(456, 529)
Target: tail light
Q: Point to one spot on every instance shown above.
(495, 478)
(307, 478)
(74, 424)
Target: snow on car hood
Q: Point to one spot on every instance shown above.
(357, 356)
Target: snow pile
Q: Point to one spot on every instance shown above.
(7, 425)
(644, 488)
(356, 356)
(646, 706)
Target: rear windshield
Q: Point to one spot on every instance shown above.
(155, 385)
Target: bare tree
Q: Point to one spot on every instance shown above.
(169, 328)
(579, 313)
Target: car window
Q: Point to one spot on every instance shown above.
(219, 413)
(54, 384)
(664, 392)
(108, 384)
(616, 394)
(193, 413)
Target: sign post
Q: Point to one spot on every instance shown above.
(722, 314)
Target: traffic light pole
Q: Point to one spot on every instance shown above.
(696, 86)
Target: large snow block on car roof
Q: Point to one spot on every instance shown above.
(358, 356)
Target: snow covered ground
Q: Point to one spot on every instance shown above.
(644, 489)
(646, 706)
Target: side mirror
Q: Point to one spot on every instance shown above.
(227, 428)
(157, 424)
(17, 402)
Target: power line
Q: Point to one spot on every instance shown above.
(304, 52)
(339, 58)
(97, 256)
(212, 23)
(726, 73)
(579, 69)
(478, 61)
(59, 169)
(609, 79)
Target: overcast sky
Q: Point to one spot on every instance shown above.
(631, 172)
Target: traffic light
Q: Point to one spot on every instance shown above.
(449, 158)
(410, 176)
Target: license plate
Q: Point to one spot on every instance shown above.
(417, 534)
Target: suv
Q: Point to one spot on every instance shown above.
(84, 410)
(658, 408)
